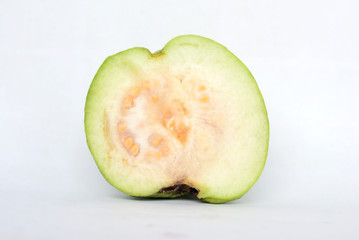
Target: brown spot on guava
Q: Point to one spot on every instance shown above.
(179, 189)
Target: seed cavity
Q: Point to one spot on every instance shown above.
(171, 113)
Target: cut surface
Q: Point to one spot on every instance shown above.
(188, 119)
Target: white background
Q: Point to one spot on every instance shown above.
(304, 56)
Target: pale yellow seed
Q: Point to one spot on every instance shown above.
(128, 102)
(172, 125)
(129, 142)
(202, 88)
(156, 141)
(136, 91)
(204, 99)
(154, 99)
(158, 155)
(135, 149)
(122, 127)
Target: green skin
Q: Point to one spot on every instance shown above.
(89, 110)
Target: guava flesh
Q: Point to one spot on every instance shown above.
(188, 119)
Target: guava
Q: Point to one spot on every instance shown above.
(187, 119)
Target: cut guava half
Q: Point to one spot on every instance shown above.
(188, 119)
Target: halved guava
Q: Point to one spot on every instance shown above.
(187, 119)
